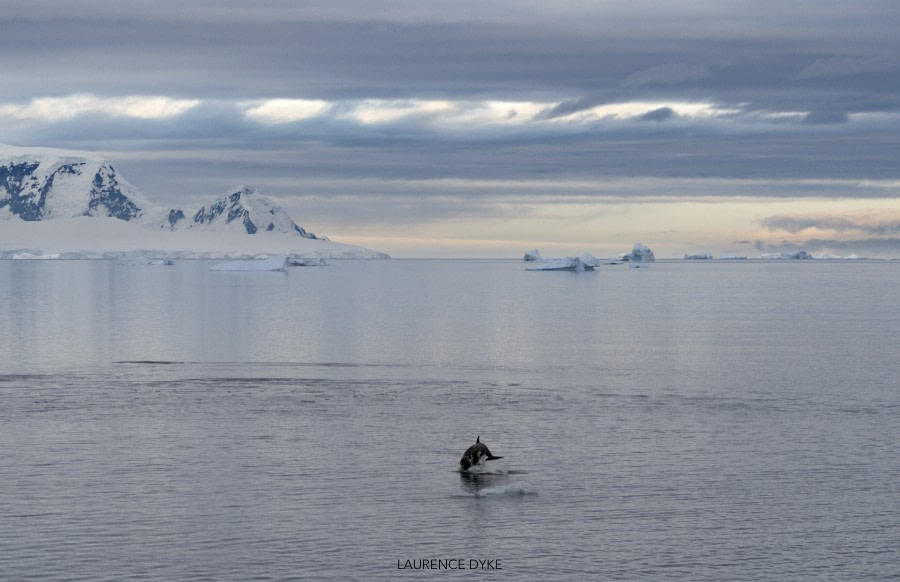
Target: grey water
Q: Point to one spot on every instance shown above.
(688, 421)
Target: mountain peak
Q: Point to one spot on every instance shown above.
(243, 208)
(43, 184)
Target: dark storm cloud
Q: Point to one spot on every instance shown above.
(825, 117)
(667, 75)
(661, 114)
(567, 108)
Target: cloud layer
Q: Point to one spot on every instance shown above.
(348, 99)
(875, 223)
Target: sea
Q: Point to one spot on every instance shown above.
(693, 420)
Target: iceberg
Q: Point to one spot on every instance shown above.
(797, 256)
(698, 256)
(585, 262)
(828, 257)
(589, 260)
(276, 263)
(28, 256)
(638, 254)
(567, 264)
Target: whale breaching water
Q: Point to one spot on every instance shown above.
(475, 455)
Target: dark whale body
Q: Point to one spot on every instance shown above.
(476, 454)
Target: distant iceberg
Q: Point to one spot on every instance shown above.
(638, 254)
(826, 256)
(276, 263)
(34, 255)
(797, 256)
(567, 264)
(585, 262)
(698, 256)
(589, 260)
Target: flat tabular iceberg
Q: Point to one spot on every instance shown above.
(567, 264)
(276, 263)
(797, 256)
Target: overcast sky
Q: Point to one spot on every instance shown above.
(459, 128)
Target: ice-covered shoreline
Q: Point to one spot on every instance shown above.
(110, 238)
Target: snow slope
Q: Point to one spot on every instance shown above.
(75, 204)
(91, 237)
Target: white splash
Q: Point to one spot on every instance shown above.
(508, 490)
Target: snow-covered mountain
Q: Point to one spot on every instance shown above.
(44, 184)
(245, 211)
(59, 188)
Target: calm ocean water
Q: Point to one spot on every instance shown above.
(689, 421)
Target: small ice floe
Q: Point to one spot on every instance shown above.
(276, 263)
(638, 266)
(307, 262)
(166, 262)
(36, 256)
(533, 255)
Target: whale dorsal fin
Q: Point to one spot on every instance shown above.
(477, 439)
